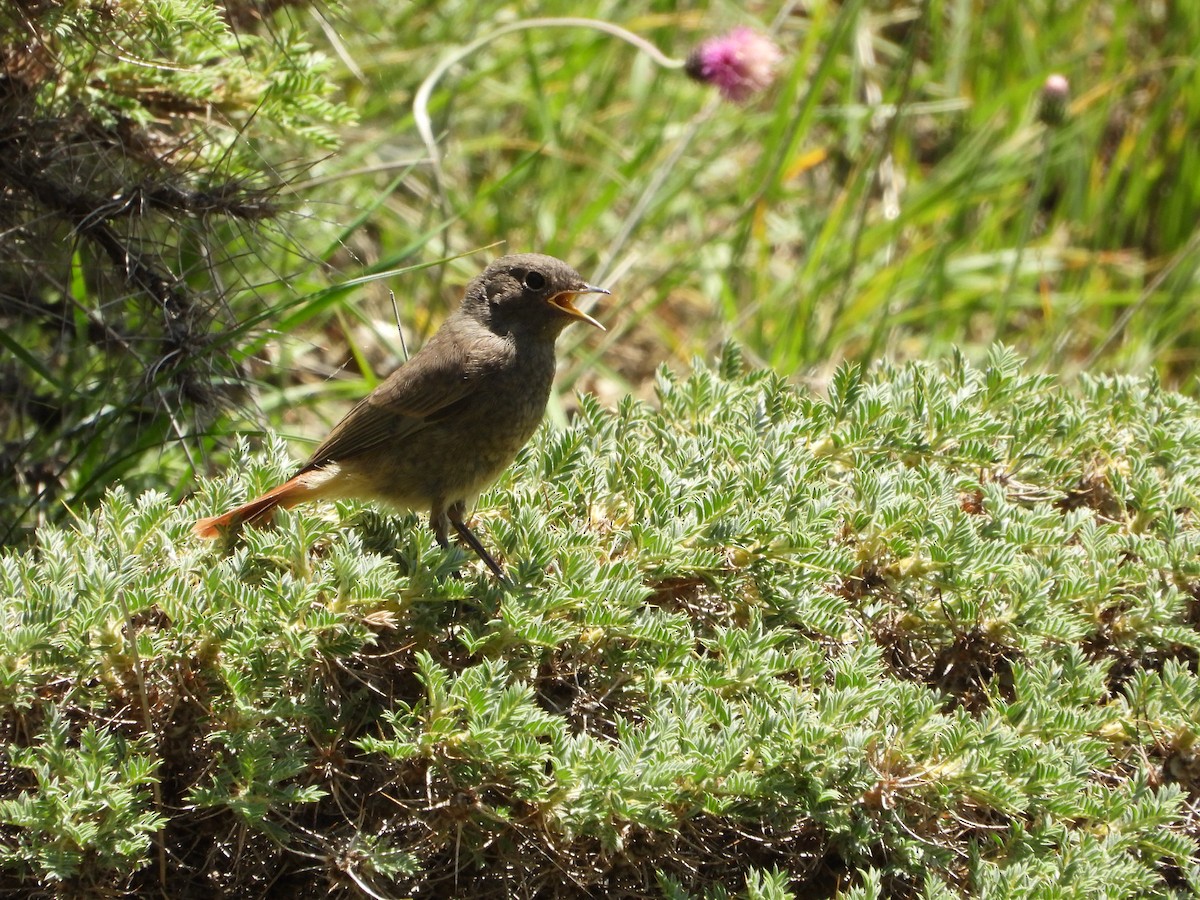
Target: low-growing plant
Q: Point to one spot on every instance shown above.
(88, 812)
(932, 634)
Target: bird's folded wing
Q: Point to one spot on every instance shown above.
(423, 390)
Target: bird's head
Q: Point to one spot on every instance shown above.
(528, 293)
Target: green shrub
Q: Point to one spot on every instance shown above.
(933, 634)
(142, 148)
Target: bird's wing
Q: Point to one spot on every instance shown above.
(427, 388)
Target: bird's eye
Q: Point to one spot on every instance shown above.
(535, 281)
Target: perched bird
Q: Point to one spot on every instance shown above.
(444, 425)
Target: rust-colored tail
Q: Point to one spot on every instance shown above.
(258, 510)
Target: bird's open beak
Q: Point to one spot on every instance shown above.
(563, 302)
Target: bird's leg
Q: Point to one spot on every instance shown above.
(440, 523)
(455, 514)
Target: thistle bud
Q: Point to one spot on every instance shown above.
(1052, 106)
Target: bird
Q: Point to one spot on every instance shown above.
(445, 424)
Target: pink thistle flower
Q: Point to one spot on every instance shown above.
(738, 64)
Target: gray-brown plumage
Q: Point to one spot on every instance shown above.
(444, 425)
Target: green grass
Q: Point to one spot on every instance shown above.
(934, 633)
(895, 194)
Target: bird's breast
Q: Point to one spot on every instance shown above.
(511, 401)
(459, 453)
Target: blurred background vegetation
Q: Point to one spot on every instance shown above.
(205, 206)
